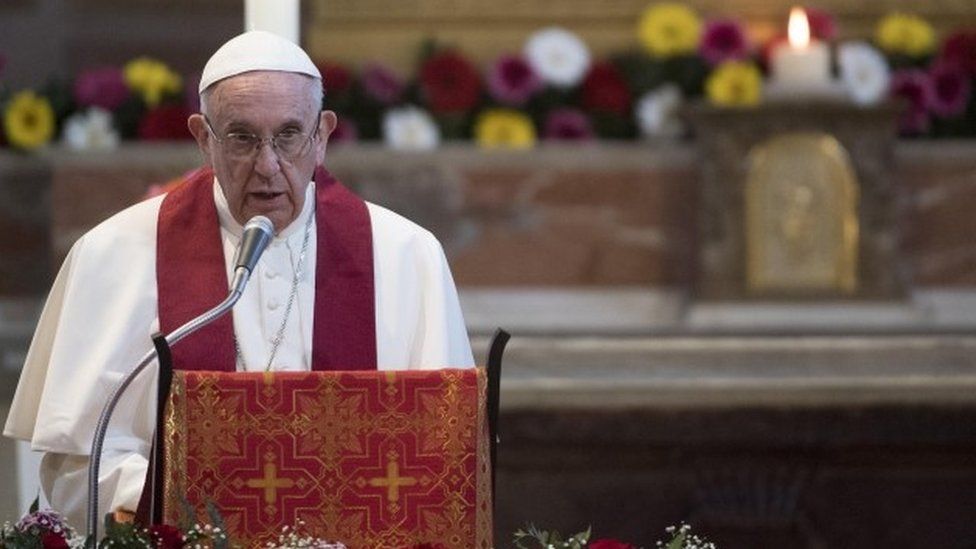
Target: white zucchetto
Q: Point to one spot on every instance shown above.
(256, 51)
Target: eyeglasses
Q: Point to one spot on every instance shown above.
(288, 144)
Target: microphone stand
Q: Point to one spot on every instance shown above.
(241, 276)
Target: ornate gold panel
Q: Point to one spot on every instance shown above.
(801, 203)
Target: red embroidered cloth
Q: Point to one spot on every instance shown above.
(371, 459)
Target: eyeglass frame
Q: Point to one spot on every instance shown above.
(261, 140)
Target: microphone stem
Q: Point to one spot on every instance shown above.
(101, 428)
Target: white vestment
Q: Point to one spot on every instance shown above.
(102, 310)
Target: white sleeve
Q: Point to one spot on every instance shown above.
(441, 340)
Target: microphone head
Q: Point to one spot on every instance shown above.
(258, 232)
(261, 223)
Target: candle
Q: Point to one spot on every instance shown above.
(802, 66)
(278, 16)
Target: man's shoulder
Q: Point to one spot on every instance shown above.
(391, 227)
(135, 224)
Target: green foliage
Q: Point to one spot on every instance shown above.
(535, 537)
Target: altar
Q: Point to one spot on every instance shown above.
(627, 403)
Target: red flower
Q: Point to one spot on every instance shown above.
(822, 24)
(450, 83)
(951, 87)
(607, 543)
(336, 78)
(723, 40)
(50, 540)
(915, 89)
(960, 49)
(165, 122)
(165, 536)
(604, 89)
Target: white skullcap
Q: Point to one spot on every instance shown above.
(256, 51)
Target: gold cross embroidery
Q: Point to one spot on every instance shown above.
(393, 481)
(270, 482)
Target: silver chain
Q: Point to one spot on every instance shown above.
(280, 336)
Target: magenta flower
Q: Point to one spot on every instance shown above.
(723, 40)
(914, 88)
(567, 124)
(512, 80)
(101, 87)
(191, 95)
(345, 131)
(951, 87)
(382, 84)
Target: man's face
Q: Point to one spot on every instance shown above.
(263, 180)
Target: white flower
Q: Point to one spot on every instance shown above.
(410, 128)
(558, 56)
(90, 130)
(864, 71)
(658, 112)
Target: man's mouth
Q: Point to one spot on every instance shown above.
(266, 195)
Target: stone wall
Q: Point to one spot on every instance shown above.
(604, 215)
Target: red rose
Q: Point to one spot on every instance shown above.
(165, 122)
(604, 89)
(336, 78)
(449, 83)
(51, 540)
(607, 543)
(165, 536)
(960, 48)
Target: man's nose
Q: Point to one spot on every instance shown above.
(266, 159)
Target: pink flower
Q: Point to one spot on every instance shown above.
(723, 40)
(960, 48)
(951, 88)
(822, 24)
(382, 84)
(567, 125)
(512, 81)
(914, 88)
(345, 131)
(101, 87)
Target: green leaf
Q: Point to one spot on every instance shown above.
(35, 506)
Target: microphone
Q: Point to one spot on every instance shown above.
(257, 234)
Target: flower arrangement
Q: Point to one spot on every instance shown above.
(551, 88)
(677, 537)
(47, 529)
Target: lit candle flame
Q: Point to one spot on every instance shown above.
(799, 28)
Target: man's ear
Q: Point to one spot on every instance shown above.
(327, 123)
(198, 128)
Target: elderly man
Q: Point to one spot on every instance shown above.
(344, 284)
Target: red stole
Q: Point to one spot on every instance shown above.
(191, 277)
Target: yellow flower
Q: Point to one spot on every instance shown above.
(504, 128)
(28, 121)
(151, 79)
(669, 29)
(905, 34)
(735, 84)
